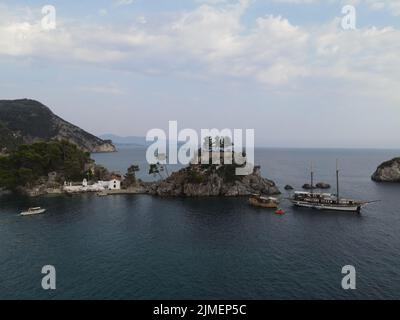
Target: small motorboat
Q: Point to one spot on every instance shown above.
(33, 211)
(264, 202)
(280, 212)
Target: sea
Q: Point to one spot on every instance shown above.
(144, 247)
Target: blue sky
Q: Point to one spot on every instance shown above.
(285, 68)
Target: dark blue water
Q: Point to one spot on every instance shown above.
(140, 247)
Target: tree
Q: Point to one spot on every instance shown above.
(26, 176)
(162, 157)
(130, 176)
(29, 164)
(100, 173)
(155, 169)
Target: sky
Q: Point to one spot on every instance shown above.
(285, 68)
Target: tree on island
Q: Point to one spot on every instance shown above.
(160, 167)
(155, 169)
(130, 176)
(162, 157)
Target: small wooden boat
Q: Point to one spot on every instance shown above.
(264, 202)
(33, 211)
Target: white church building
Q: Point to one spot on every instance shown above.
(113, 184)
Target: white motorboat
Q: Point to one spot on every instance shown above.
(33, 211)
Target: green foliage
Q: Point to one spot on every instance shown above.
(228, 172)
(99, 173)
(24, 120)
(155, 169)
(27, 117)
(130, 176)
(8, 141)
(195, 177)
(25, 165)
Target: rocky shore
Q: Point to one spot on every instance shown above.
(388, 171)
(185, 183)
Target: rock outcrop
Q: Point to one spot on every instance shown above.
(26, 121)
(388, 171)
(323, 185)
(319, 185)
(207, 184)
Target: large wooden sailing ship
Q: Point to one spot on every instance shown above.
(326, 201)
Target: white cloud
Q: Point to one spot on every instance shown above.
(103, 12)
(123, 2)
(109, 89)
(211, 40)
(393, 6)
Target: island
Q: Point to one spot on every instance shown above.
(210, 180)
(388, 171)
(60, 167)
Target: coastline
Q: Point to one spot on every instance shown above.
(193, 236)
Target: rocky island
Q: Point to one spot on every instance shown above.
(62, 167)
(388, 171)
(27, 121)
(201, 181)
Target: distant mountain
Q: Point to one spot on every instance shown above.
(130, 140)
(134, 141)
(26, 121)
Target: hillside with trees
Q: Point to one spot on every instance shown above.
(27, 121)
(29, 165)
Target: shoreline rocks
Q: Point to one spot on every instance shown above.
(323, 185)
(41, 190)
(319, 185)
(193, 181)
(211, 184)
(388, 171)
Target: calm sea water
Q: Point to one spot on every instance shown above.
(141, 247)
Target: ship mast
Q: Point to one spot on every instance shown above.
(337, 181)
(312, 178)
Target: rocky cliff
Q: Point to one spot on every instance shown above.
(388, 171)
(27, 121)
(185, 183)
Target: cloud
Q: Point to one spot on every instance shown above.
(393, 6)
(211, 41)
(103, 12)
(123, 2)
(109, 89)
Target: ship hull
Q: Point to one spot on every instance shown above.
(330, 207)
(269, 205)
(32, 213)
